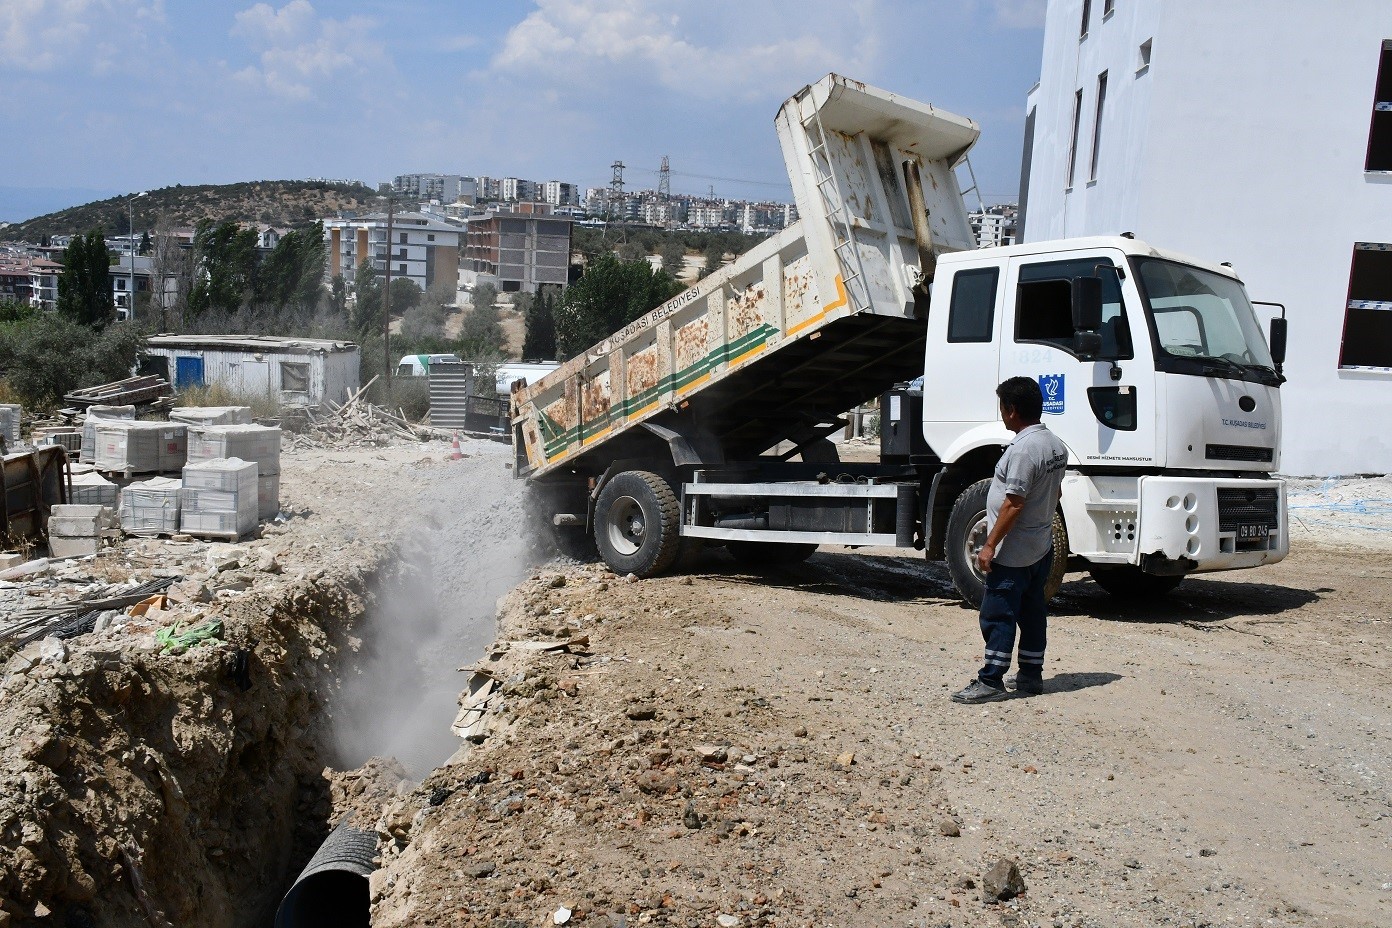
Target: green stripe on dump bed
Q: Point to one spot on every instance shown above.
(556, 441)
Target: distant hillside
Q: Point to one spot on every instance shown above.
(281, 203)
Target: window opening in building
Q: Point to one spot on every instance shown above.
(1108, 8)
(401, 268)
(1073, 146)
(1380, 135)
(973, 309)
(403, 238)
(1044, 312)
(294, 377)
(430, 238)
(1143, 57)
(1097, 122)
(1368, 317)
(1087, 14)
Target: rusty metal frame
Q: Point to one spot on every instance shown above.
(31, 484)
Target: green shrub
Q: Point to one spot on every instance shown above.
(48, 355)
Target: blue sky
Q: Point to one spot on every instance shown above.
(124, 95)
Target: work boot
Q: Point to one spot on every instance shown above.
(978, 692)
(1025, 686)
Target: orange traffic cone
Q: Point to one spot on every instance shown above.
(455, 453)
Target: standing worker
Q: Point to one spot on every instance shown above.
(1019, 548)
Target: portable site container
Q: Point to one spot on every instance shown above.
(291, 371)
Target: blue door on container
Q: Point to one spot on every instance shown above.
(188, 372)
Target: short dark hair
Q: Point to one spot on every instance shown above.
(1024, 396)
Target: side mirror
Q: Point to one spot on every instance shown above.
(1087, 304)
(1278, 340)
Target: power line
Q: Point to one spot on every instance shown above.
(726, 180)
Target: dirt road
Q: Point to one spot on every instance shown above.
(1222, 757)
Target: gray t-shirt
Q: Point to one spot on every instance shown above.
(1032, 467)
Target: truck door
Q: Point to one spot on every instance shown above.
(1104, 408)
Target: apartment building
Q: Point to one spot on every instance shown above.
(440, 188)
(517, 251)
(422, 248)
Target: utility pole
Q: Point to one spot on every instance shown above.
(664, 179)
(386, 298)
(130, 249)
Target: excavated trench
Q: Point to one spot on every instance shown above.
(145, 790)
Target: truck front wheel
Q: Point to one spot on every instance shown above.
(966, 533)
(637, 524)
(1130, 582)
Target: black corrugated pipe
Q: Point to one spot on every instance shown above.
(332, 891)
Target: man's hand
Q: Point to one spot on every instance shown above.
(985, 556)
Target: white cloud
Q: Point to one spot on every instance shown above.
(581, 43)
(41, 35)
(299, 52)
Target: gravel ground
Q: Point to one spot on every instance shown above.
(779, 749)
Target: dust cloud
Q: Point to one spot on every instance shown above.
(463, 549)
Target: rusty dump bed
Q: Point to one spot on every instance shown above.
(800, 328)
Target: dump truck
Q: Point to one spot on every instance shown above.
(708, 420)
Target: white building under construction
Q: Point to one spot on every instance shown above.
(1252, 131)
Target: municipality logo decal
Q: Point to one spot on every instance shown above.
(1051, 385)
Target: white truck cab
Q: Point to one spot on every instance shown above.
(1171, 415)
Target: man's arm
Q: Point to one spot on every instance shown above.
(1009, 511)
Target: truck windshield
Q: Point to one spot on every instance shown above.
(1203, 322)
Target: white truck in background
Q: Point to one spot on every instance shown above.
(706, 421)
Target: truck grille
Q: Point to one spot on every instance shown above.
(1257, 506)
(1237, 453)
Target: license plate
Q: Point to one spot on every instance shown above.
(1249, 531)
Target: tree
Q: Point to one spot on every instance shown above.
(540, 342)
(484, 295)
(481, 335)
(405, 294)
(84, 287)
(170, 280)
(145, 243)
(715, 258)
(610, 294)
(632, 251)
(227, 262)
(338, 295)
(292, 274)
(48, 355)
(421, 322)
(367, 300)
(673, 257)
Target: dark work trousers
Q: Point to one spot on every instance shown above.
(1014, 596)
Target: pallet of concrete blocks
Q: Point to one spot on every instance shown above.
(95, 414)
(141, 447)
(10, 414)
(151, 507)
(77, 531)
(69, 438)
(211, 415)
(259, 443)
(92, 489)
(219, 498)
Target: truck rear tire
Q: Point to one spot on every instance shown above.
(1130, 582)
(769, 553)
(966, 533)
(637, 524)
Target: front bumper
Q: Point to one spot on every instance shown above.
(1211, 523)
